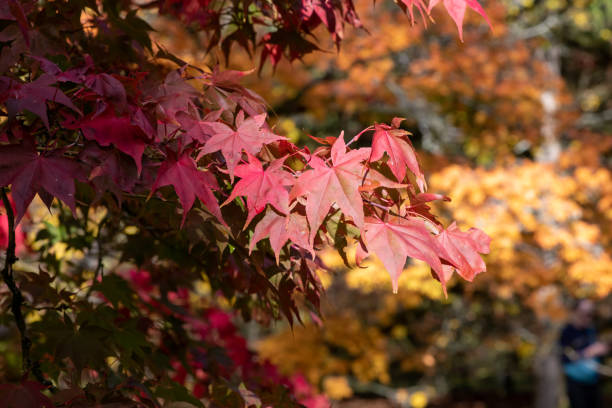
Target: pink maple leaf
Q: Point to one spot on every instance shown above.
(249, 136)
(262, 187)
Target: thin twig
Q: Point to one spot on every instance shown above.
(393, 213)
(100, 267)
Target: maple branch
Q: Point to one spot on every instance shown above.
(100, 266)
(382, 207)
(7, 276)
(358, 135)
(17, 300)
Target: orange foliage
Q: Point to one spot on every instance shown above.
(549, 225)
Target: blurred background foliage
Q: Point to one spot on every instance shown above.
(516, 126)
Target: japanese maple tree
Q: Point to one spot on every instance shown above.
(173, 169)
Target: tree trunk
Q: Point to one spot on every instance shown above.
(547, 367)
(547, 362)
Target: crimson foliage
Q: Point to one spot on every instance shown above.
(106, 122)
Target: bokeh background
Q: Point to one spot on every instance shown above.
(515, 124)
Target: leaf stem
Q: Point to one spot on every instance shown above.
(395, 214)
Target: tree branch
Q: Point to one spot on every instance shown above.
(100, 268)
(17, 300)
(7, 275)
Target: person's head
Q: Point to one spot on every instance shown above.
(583, 313)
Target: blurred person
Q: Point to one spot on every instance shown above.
(581, 352)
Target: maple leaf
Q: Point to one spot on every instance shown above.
(107, 129)
(49, 174)
(249, 136)
(323, 185)
(395, 144)
(34, 95)
(462, 250)
(285, 41)
(193, 127)
(228, 80)
(111, 170)
(408, 5)
(109, 87)
(281, 229)
(182, 173)
(456, 9)
(393, 242)
(323, 10)
(418, 207)
(28, 394)
(173, 96)
(13, 10)
(262, 187)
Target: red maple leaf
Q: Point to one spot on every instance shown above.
(456, 9)
(462, 250)
(228, 80)
(323, 185)
(262, 187)
(109, 87)
(107, 129)
(182, 173)
(194, 128)
(34, 95)
(111, 170)
(13, 10)
(408, 5)
(324, 11)
(395, 144)
(280, 229)
(394, 241)
(25, 395)
(418, 206)
(49, 174)
(249, 136)
(173, 96)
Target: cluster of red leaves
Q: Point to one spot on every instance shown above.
(286, 28)
(94, 119)
(197, 128)
(280, 28)
(302, 195)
